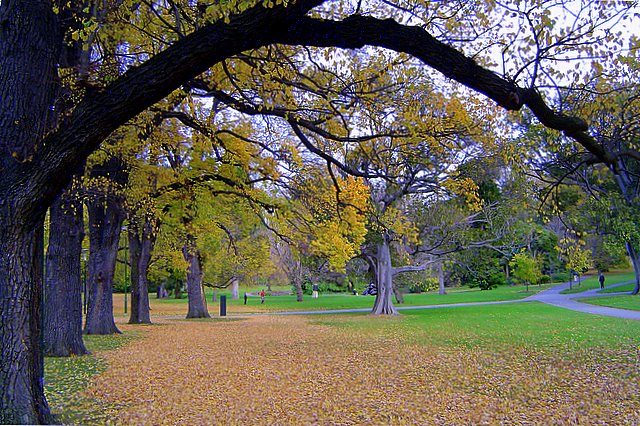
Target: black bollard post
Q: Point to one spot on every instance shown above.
(223, 306)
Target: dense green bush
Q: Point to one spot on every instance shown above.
(561, 277)
(323, 287)
(488, 281)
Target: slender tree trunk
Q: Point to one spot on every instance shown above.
(635, 260)
(629, 191)
(235, 289)
(297, 282)
(63, 283)
(441, 289)
(384, 279)
(105, 225)
(195, 291)
(398, 294)
(140, 250)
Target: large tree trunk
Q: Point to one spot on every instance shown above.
(384, 279)
(195, 291)
(635, 260)
(29, 51)
(105, 224)
(63, 283)
(141, 244)
(22, 362)
(106, 215)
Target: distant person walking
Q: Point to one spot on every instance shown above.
(261, 296)
(601, 279)
(245, 297)
(314, 292)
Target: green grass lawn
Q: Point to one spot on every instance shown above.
(622, 302)
(623, 288)
(331, 301)
(533, 324)
(593, 283)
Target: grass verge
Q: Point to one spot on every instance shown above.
(621, 302)
(337, 301)
(592, 282)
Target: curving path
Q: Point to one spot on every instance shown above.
(553, 297)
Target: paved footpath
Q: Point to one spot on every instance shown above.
(551, 296)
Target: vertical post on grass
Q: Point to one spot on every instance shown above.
(223, 306)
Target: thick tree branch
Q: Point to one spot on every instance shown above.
(358, 31)
(101, 112)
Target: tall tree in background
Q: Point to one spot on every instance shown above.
(63, 282)
(106, 216)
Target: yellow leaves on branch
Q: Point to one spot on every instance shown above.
(340, 234)
(467, 189)
(394, 220)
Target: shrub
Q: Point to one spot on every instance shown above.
(425, 284)
(323, 287)
(489, 281)
(561, 277)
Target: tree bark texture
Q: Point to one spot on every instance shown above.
(141, 242)
(106, 215)
(105, 224)
(384, 279)
(297, 282)
(29, 50)
(195, 291)
(21, 340)
(397, 293)
(63, 282)
(441, 288)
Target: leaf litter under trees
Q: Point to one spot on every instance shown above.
(297, 370)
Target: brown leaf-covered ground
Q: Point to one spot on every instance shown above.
(281, 370)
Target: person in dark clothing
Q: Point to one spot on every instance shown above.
(601, 279)
(245, 297)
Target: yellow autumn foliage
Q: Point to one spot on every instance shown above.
(335, 217)
(467, 189)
